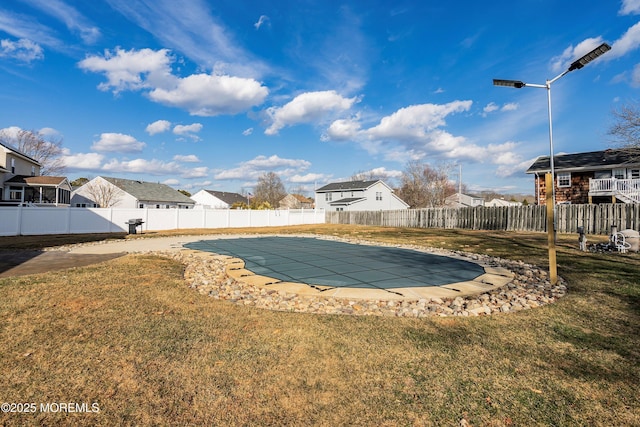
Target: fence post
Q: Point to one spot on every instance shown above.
(20, 220)
(68, 227)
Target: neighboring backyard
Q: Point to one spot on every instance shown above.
(129, 336)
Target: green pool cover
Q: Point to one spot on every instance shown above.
(338, 264)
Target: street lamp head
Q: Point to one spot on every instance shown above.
(509, 83)
(579, 63)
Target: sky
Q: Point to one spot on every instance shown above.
(202, 94)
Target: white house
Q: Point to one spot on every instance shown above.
(126, 193)
(217, 199)
(358, 196)
(21, 183)
(460, 200)
(501, 202)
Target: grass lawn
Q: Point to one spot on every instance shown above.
(128, 336)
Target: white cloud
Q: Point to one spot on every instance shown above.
(118, 142)
(382, 172)
(198, 172)
(211, 95)
(130, 70)
(247, 132)
(25, 27)
(416, 121)
(490, 107)
(50, 132)
(261, 21)
(70, 16)
(190, 28)
(308, 107)
(152, 167)
(150, 71)
(171, 181)
(561, 62)
(343, 129)
(82, 161)
(158, 126)
(253, 168)
(23, 50)
(630, 7)
(308, 178)
(629, 42)
(11, 132)
(187, 129)
(190, 158)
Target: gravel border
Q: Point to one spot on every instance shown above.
(530, 288)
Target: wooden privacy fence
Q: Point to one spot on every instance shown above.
(596, 219)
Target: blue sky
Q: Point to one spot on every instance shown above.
(203, 94)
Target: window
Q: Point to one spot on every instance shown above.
(378, 195)
(564, 179)
(157, 206)
(141, 205)
(602, 174)
(327, 197)
(620, 173)
(339, 209)
(15, 193)
(13, 166)
(33, 171)
(635, 173)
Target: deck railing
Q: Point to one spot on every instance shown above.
(629, 188)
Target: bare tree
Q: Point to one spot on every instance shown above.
(298, 189)
(104, 194)
(270, 189)
(47, 151)
(625, 130)
(425, 186)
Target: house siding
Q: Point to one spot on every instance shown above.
(369, 203)
(577, 193)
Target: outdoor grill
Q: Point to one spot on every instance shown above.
(133, 224)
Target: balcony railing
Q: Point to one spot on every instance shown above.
(627, 188)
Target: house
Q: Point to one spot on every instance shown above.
(501, 202)
(218, 199)
(21, 183)
(608, 176)
(127, 193)
(460, 200)
(296, 201)
(358, 196)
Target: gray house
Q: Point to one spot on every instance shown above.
(108, 192)
(373, 195)
(21, 182)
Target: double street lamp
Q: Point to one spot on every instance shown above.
(550, 181)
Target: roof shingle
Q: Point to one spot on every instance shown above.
(591, 161)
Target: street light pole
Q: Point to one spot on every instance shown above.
(551, 201)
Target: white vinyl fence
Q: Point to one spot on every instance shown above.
(16, 221)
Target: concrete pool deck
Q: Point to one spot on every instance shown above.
(494, 276)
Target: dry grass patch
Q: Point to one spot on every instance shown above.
(129, 335)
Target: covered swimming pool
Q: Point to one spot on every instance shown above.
(337, 264)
